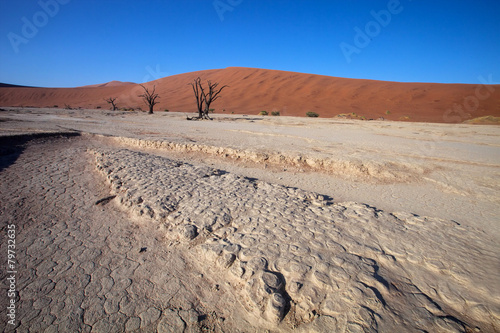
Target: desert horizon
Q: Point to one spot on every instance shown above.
(252, 90)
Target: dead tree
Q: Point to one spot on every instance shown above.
(111, 101)
(149, 97)
(205, 98)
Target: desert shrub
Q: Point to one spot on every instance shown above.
(56, 106)
(211, 110)
(67, 106)
(387, 112)
(275, 113)
(166, 110)
(98, 107)
(263, 113)
(312, 114)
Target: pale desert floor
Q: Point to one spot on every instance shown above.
(248, 223)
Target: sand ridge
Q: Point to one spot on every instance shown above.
(348, 168)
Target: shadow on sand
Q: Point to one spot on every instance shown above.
(11, 147)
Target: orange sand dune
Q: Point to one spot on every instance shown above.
(292, 94)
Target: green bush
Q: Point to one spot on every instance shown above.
(275, 113)
(263, 113)
(312, 114)
(166, 110)
(387, 112)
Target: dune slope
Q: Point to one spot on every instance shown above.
(253, 90)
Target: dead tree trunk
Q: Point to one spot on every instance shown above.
(150, 98)
(198, 94)
(204, 99)
(111, 101)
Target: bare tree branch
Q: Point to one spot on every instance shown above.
(150, 97)
(111, 100)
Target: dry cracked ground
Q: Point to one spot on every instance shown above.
(114, 239)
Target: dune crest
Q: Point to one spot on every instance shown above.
(108, 84)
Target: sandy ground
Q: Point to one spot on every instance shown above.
(248, 222)
(449, 171)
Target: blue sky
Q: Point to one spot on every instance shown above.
(79, 42)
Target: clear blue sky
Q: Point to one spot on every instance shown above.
(83, 42)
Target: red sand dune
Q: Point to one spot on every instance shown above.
(292, 94)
